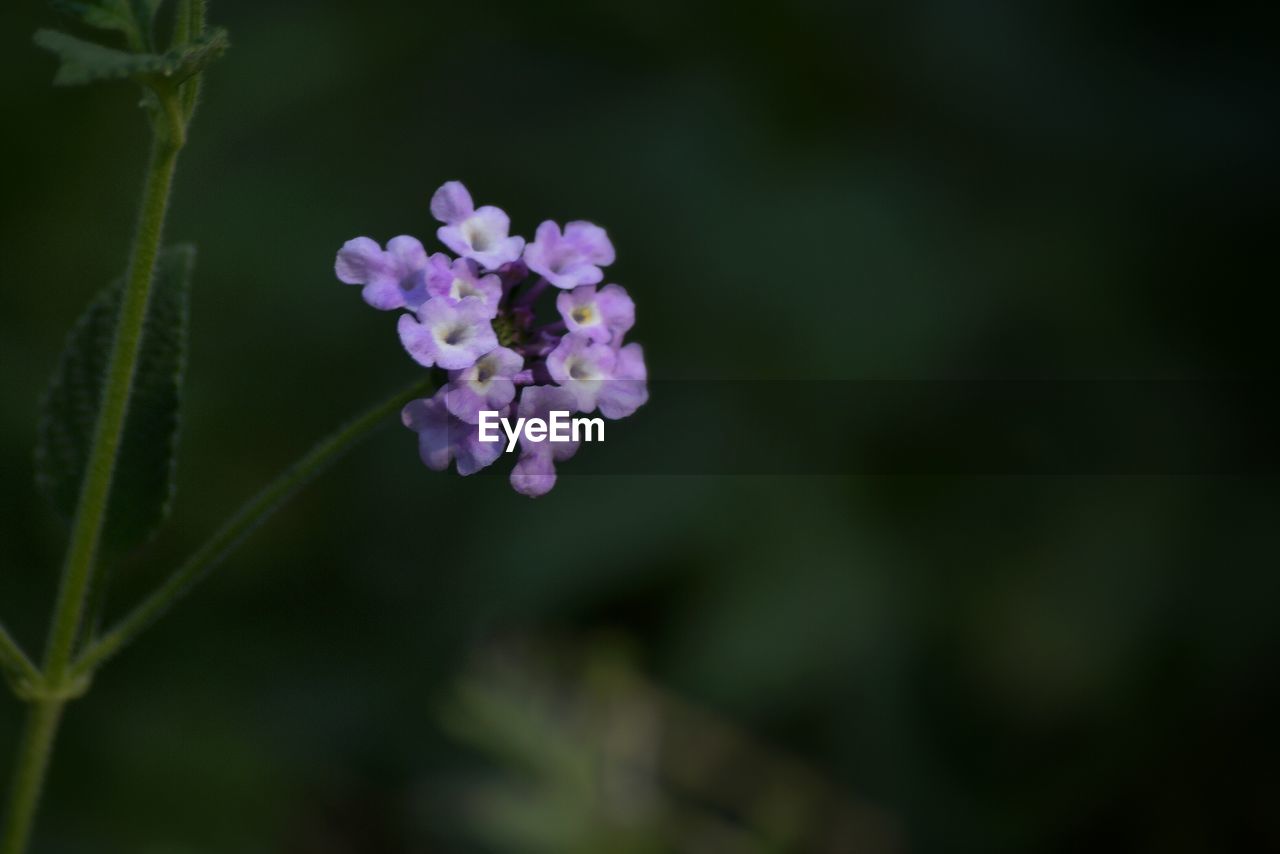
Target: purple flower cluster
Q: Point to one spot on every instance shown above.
(474, 317)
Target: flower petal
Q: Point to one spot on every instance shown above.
(534, 475)
(360, 260)
(417, 340)
(452, 203)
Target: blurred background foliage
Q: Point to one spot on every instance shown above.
(808, 190)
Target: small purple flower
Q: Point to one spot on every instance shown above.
(441, 437)
(583, 367)
(488, 384)
(602, 316)
(392, 278)
(570, 259)
(480, 234)
(535, 473)
(628, 390)
(462, 279)
(451, 336)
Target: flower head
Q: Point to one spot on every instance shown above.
(451, 335)
(570, 259)
(480, 234)
(394, 277)
(476, 317)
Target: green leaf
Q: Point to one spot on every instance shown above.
(85, 62)
(108, 15)
(143, 487)
(133, 18)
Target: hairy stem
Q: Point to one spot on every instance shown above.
(240, 525)
(57, 687)
(86, 530)
(29, 773)
(189, 23)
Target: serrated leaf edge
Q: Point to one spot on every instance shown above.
(44, 483)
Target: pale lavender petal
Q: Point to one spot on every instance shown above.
(483, 237)
(452, 203)
(619, 310)
(472, 454)
(572, 258)
(466, 336)
(542, 256)
(464, 402)
(410, 263)
(630, 363)
(591, 242)
(534, 475)
(486, 385)
(583, 367)
(429, 419)
(439, 271)
(360, 260)
(390, 281)
(540, 402)
(417, 340)
(450, 336)
(537, 255)
(462, 279)
(442, 438)
(629, 389)
(507, 363)
(407, 252)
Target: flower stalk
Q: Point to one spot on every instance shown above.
(38, 735)
(15, 664)
(48, 698)
(239, 526)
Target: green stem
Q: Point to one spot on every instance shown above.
(189, 24)
(239, 526)
(29, 773)
(57, 688)
(14, 662)
(86, 530)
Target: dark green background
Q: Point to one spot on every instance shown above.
(802, 190)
